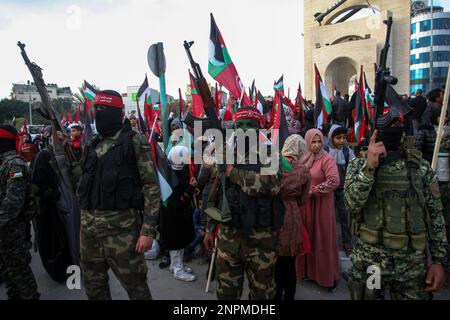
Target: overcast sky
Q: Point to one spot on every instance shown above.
(106, 41)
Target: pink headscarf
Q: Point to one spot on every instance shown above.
(309, 157)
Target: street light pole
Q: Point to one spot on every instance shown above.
(431, 48)
(30, 109)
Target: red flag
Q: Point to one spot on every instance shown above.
(360, 110)
(300, 103)
(197, 102)
(279, 120)
(77, 115)
(70, 117)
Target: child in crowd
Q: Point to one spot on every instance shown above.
(342, 155)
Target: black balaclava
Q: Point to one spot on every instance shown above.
(109, 120)
(8, 136)
(392, 137)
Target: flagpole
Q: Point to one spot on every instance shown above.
(153, 129)
(440, 131)
(242, 96)
(138, 112)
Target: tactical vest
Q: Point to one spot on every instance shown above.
(395, 214)
(247, 212)
(111, 182)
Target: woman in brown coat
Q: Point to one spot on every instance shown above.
(294, 188)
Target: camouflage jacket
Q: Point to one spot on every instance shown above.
(102, 221)
(14, 179)
(358, 185)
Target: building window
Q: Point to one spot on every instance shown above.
(441, 40)
(419, 74)
(440, 72)
(425, 25)
(441, 56)
(441, 24)
(421, 42)
(423, 57)
(413, 28)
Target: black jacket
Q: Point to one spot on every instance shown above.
(419, 104)
(339, 109)
(425, 141)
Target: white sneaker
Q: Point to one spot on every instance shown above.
(185, 268)
(185, 276)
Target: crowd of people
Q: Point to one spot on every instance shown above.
(272, 228)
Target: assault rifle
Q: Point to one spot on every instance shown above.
(63, 153)
(382, 80)
(210, 111)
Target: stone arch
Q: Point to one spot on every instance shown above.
(339, 72)
(353, 12)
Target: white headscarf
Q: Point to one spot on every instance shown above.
(337, 154)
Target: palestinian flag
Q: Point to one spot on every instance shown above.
(278, 86)
(144, 91)
(197, 102)
(369, 100)
(323, 106)
(167, 178)
(89, 95)
(220, 66)
(361, 128)
(142, 126)
(300, 103)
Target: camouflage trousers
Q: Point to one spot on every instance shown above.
(402, 273)
(117, 252)
(15, 259)
(444, 187)
(254, 255)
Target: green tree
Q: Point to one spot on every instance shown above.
(10, 109)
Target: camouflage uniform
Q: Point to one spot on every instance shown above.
(108, 238)
(253, 252)
(403, 269)
(445, 190)
(15, 258)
